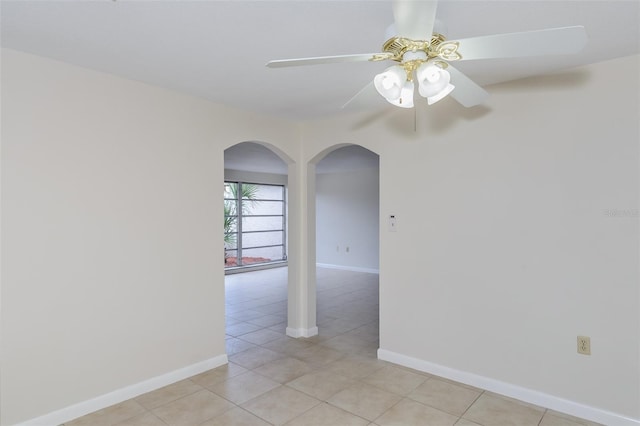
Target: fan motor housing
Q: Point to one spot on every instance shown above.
(396, 47)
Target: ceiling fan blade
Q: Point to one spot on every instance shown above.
(552, 41)
(414, 18)
(281, 63)
(467, 92)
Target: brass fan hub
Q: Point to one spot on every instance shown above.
(437, 47)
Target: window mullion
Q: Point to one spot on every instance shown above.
(239, 225)
(284, 224)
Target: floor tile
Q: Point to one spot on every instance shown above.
(280, 327)
(254, 357)
(261, 336)
(345, 343)
(445, 396)
(230, 321)
(267, 320)
(219, 374)
(339, 325)
(284, 370)
(245, 314)
(327, 415)
(328, 333)
(274, 309)
(370, 352)
(241, 328)
(319, 355)
(193, 409)
(145, 419)
(234, 345)
(364, 400)
(316, 339)
(288, 345)
(274, 297)
(366, 332)
(111, 415)
(409, 412)
(498, 411)
(167, 394)
(465, 422)
(244, 387)
(321, 384)
(280, 405)
(395, 380)
(552, 418)
(236, 417)
(355, 366)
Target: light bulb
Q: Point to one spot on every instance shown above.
(387, 83)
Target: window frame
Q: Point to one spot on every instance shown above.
(239, 247)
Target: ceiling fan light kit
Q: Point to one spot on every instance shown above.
(425, 56)
(396, 83)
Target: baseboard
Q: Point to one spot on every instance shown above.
(302, 332)
(255, 267)
(348, 268)
(120, 395)
(512, 391)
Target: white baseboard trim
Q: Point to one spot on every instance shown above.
(523, 394)
(302, 332)
(78, 410)
(348, 268)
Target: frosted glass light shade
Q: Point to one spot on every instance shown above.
(389, 83)
(433, 82)
(406, 96)
(393, 85)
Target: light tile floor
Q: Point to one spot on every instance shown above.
(332, 379)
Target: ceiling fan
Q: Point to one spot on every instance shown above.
(426, 56)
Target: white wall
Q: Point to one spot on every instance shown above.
(110, 200)
(112, 270)
(508, 253)
(347, 205)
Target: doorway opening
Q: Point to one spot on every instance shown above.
(347, 204)
(255, 205)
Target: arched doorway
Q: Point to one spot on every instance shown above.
(346, 191)
(256, 244)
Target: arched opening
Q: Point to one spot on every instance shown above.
(347, 204)
(255, 203)
(256, 244)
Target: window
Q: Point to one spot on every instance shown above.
(254, 223)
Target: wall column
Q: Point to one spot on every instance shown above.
(301, 321)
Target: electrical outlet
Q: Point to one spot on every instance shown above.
(584, 345)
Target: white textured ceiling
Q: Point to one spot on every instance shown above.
(217, 49)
